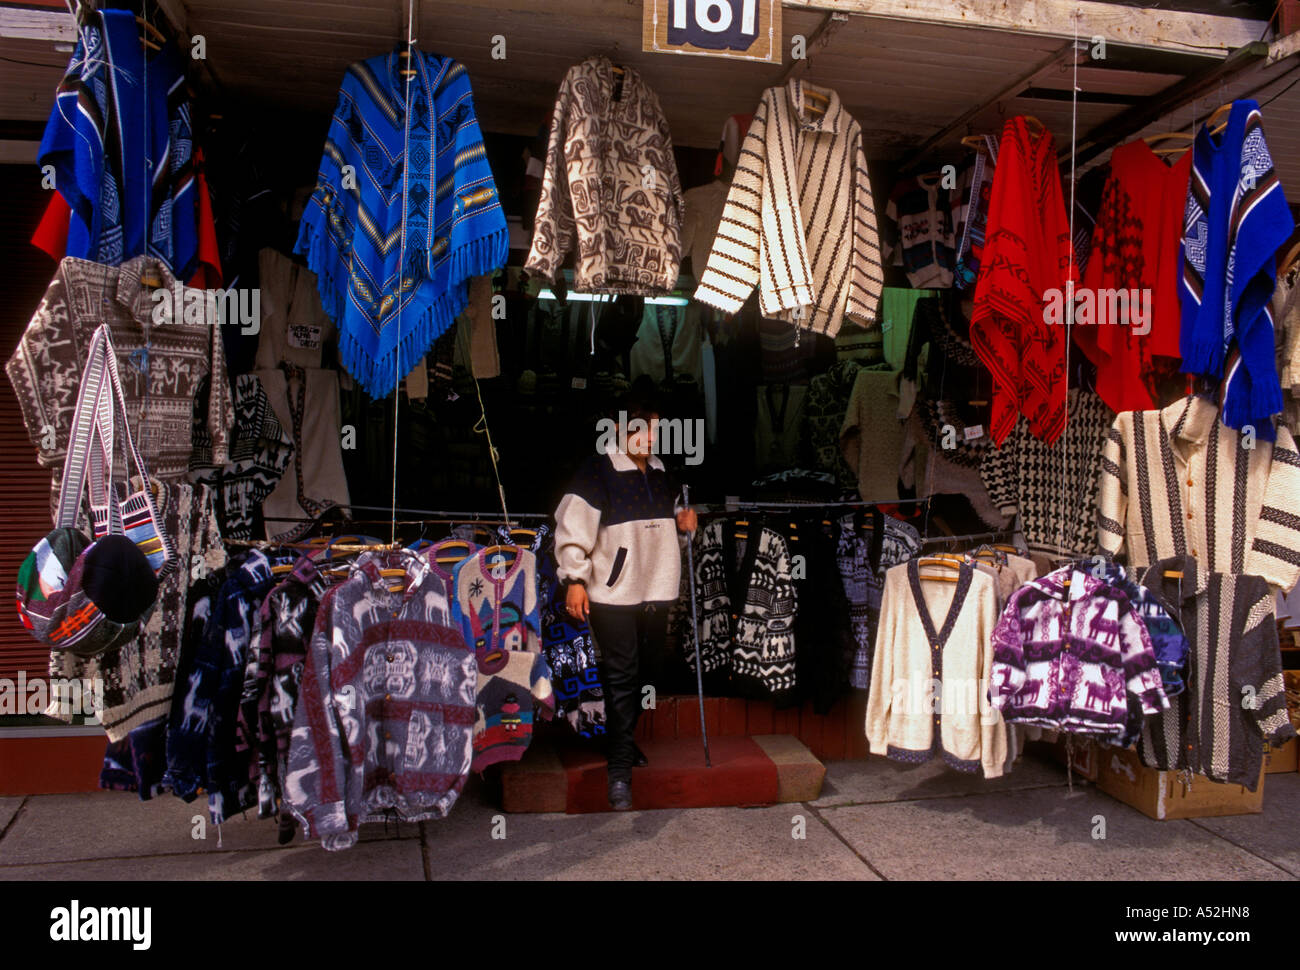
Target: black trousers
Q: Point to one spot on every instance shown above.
(630, 641)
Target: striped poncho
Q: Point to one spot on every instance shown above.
(400, 194)
(1235, 220)
(120, 144)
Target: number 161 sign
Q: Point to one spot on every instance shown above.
(748, 29)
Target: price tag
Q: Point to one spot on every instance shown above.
(536, 169)
(974, 431)
(579, 383)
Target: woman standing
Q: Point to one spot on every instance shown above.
(618, 552)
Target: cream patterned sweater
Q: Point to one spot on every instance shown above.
(799, 222)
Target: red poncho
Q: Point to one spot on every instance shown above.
(1027, 253)
(1135, 249)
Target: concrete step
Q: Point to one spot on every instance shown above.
(760, 770)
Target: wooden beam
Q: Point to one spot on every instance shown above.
(1060, 56)
(1157, 106)
(1131, 26)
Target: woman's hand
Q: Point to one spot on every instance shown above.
(576, 602)
(687, 521)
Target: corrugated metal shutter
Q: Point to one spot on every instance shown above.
(24, 485)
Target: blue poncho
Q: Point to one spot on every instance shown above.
(1236, 218)
(397, 191)
(121, 146)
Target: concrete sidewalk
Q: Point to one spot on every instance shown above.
(875, 820)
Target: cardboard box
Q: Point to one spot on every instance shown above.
(1160, 795)
(1283, 758)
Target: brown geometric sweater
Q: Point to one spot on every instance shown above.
(610, 191)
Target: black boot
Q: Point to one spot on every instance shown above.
(620, 796)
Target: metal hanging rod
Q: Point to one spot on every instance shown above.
(806, 506)
(969, 537)
(458, 516)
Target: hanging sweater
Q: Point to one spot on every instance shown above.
(747, 604)
(864, 555)
(1026, 256)
(925, 230)
(1053, 487)
(919, 654)
(386, 708)
(1071, 652)
(1236, 218)
(1235, 698)
(610, 190)
(1135, 251)
(871, 438)
(1176, 482)
(799, 223)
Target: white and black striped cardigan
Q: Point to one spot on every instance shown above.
(1235, 699)
(799, 222)
(1177, 482)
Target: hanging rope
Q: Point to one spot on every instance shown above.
(401, 259)
(1069, 288)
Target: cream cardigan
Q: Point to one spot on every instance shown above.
(901, 707)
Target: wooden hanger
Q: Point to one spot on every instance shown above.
(150, 29)
(407, 70)
(1033, 122)
(447, 551)
(1173, 574)
(938, 560)
(1209, 122)
(1289, 259)
(496, 550)
(973, 141)
(151, 277)
(281, 569)
(1004, 547)
(823, 102)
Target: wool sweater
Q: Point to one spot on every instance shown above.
(1053, 487)
(288, 618)
(508, 691)
(162, 363)
(1167, 639)
(746, 603)
(386, 708)
(918, 655)
(1071, 652)
(597, 199)
(799, 223)
(1236, 218)
(871, 438)
(1177, 482)
(825, 406)
(140, 677)
(924, 221)
(864, 555)
(615, 532)
(1235, 698)
(494, 603)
